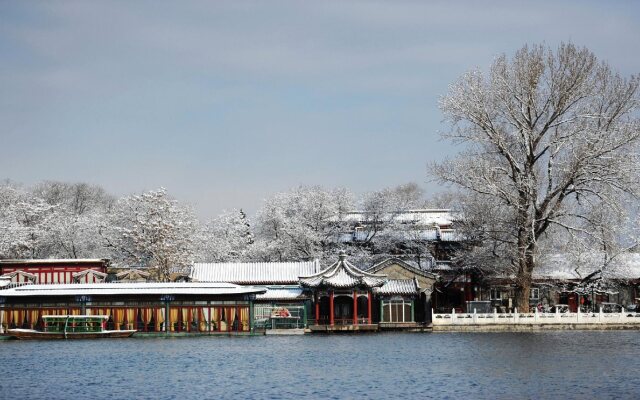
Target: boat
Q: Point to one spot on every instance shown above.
(71, 327)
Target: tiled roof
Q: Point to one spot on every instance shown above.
(253, 273)
(110, 289)
(399, 286)
(343, 274)
(422, 216)
(55, 261)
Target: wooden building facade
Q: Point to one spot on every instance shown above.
(199, 308)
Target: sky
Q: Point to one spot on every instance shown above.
(227, 103)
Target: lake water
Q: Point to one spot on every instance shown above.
(458, 365)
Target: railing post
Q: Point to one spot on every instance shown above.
(535, 314)
(475, 317)
(453, 315)
(515, 315)
(600, 315)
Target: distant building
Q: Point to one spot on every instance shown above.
(421, 236)
(558, 279)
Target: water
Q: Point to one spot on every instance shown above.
(488, 365)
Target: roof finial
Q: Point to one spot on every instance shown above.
(342, 255)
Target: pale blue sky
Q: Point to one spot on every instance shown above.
(225, 103)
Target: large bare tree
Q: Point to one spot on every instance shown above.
(550, 136)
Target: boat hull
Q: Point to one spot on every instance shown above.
(29, 334)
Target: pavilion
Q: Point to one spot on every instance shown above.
(343, 296)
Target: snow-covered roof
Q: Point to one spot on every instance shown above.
(283, 293)
(381, 265)
(343, 274)
(138, 288)
(565, 267)
(132, 273)
(55, 261)
(420, 216)
(399, 286)
(11, 275)
(254, 273)
(442, 265)
(89, 272)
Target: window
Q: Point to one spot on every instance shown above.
(496, 294)
(396, 311)
(534, 294)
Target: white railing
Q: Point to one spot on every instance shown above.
(535, 318)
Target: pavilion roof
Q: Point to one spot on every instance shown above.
(343, 274)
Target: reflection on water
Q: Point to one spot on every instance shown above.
(489, 365)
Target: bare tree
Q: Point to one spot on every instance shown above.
(550, 136)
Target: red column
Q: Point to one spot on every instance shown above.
(369, 307)
(317, 308)
(331, 308)
(355, 308)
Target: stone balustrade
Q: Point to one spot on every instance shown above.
(535, 318)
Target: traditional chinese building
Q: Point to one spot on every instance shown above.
(55, 270)
(300, 294)
(409, 288)
(283, 305)
(343, 296)
(176, 307)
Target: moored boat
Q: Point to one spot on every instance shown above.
(71, 327)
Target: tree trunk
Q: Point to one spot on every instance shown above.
(524, 278)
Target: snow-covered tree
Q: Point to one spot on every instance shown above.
(386, 230)
(152, 230)
(26, 223)
(225, 238)
(80, 211)
(550, 136)
(302, 224)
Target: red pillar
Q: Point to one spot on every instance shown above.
(317, 308)
(355, 308)
(331, 308)
(369, 307)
